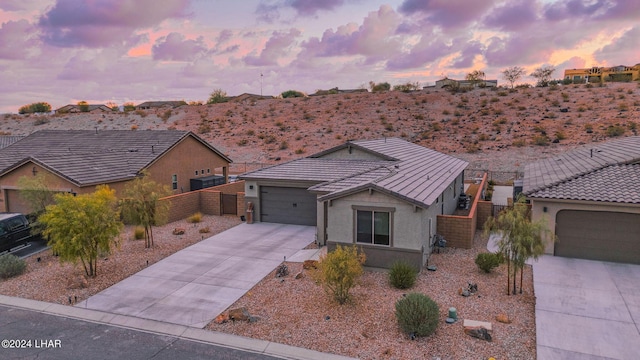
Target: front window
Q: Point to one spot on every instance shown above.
(373, 227)
(174, 182)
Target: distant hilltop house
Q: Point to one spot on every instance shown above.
(247, 97)
(71, 108)
(337, 91)
(448, 83)
(160, 104)
(602, 74)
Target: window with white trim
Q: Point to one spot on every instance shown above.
(174, 182)
(373, 227)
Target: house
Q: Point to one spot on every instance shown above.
(71, 108)
(590, 199)
(76, 161)
(602, 74)
(383, 195)
(449, 83)
(247, 97)
(6, 140)
(160, 104)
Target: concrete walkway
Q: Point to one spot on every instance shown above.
(194, 285)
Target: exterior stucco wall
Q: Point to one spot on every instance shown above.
(187, 157)
(553, 207)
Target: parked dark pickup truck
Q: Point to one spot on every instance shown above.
(15, 230)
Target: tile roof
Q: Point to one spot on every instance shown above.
(552, 171)
(87, 157)
(6, 140)
(615, 183)
(406, 170)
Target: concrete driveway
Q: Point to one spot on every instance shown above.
(586, 309)
(194, 285)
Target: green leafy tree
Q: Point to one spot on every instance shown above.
(339, 270)
(83, 227)
(543, 74)
(385, 86)
(141, 205)
(475, 77)
(34, 190)
(291, 93)
(513, 74)
(217, 96)
(128, 106)
(83, 105)
(520, 238)
(407, 87)
(39, 107)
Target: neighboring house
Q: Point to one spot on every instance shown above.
(76, 161)
(78, 108)
(160, 104)
(601, 74)
(447, 83)
(247, 97)
(590, 199)
(383, 195)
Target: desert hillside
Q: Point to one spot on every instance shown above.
(497, 129)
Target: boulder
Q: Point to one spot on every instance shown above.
(478, 332)
(178, 231)
(222, 318)
(239, 314)
(299, 275)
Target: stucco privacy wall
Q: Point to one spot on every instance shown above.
(459, 231)
(554, 206)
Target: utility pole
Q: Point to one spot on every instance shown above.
(260, 84)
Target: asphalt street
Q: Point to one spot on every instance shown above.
(34, 335)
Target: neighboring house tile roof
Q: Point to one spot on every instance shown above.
(6, 140)
(615, 183)
(86, 157)
(78, 108)
(407, 171)
(155, 104)
(573, 164)
(313, 170)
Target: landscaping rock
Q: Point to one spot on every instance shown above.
(222, 318)
(503, 318)
(178, 231)
(310, 264)
(478, 332)
(239, 314)
(299, 275)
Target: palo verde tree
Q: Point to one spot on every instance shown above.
(83, 227)
(141, 205)
(39, 107)
(513, 74)
(217, 96)
(475, 77)
(338, 271)
(543, 74)
(520, 239)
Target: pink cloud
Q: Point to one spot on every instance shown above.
(447, 13)
(276, 47)
(100, 23)
(176, 47)
(16, 38)
(512, 16)
(622, 50)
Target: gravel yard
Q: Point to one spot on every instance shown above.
(51, 281)
(298, 312)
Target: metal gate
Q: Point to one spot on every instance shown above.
(230, 204)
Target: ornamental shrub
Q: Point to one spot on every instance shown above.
(195, 218)
(11, 265)
(138, 233)
(402, 275)
(487, 261)
(339, 270)
(417, 314)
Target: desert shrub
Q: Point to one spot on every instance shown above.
(11, 265)
(291, 93)
(284, 145)
(195, 218)
(560, 135)
(417, 314)
(402, 275)
(300, 151)
(41, 121)
(487, 261)
(141, 113)
(138, 233)
(339, 270)
(204, 230)
(541, 140)
(588, 128)
(615, 130)
(519, 143)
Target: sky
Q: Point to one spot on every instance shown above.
(100, 51)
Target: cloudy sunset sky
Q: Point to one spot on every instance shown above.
(64, 51)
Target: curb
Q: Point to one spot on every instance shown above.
(178, 331)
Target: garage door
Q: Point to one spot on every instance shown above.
(596, 235)
(16, 203)
(287, 205)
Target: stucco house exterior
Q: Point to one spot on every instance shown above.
(76, 161)
(590, 199)
(382, 195)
